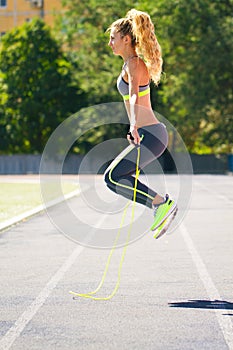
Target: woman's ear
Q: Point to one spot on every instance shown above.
(127, 39)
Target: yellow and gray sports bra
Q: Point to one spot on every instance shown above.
(123, 86)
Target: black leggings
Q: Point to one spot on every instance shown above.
(119, 175)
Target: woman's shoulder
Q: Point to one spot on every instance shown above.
(135, 62)
(137, 66)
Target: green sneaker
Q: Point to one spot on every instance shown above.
(159, 232)
(162, 212)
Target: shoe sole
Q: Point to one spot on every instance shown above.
(174, 206)
(169, 220)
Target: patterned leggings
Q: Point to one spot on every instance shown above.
(119, 175)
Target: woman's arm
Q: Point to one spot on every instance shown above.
(134, 80)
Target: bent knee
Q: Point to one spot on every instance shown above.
(109, 178)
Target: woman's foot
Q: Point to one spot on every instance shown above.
(159, 232)
(158, 200)
(162, 211)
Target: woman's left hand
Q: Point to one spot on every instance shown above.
(136, 137)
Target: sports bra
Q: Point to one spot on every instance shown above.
(123, 88)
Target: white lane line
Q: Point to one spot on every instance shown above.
(15, 331)
(224, 321)
(36, 210)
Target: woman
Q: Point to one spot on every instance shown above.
(132, 38)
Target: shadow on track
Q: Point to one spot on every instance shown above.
(204, 304)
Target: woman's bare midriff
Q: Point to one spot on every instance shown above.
(144, 113)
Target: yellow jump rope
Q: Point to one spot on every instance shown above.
(91, 295)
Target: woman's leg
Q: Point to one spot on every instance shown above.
(119, 176)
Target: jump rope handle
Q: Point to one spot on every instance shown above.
(132, 138)
(130, 135)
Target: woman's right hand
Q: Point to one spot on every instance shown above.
(130, 137)
(134, 137)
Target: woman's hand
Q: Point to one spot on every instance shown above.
(133, 136)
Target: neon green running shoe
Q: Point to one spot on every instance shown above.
(162, 212)
(162, 229)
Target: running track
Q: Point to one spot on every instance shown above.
(175, 292)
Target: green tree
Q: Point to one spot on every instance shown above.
(196, 38)
(83, 32)
(199, 65)
(84, 26)
(37, 89)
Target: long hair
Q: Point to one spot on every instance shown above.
(139, 26)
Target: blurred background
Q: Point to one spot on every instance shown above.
(55, 61)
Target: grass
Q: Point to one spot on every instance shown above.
(16, 198)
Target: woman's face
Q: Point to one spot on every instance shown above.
(116, 42)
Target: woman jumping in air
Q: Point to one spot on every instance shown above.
(133, 39)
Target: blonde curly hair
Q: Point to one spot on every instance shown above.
(139, 26)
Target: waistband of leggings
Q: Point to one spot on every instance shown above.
(152, 126)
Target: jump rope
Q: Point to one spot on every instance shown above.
(91, 295)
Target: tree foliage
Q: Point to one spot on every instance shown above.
(199, 63)
(40, 85)
(196, 38)
(37, 88)
(84, 28)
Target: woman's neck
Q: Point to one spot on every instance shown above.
(127, 59)
(128, 55)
